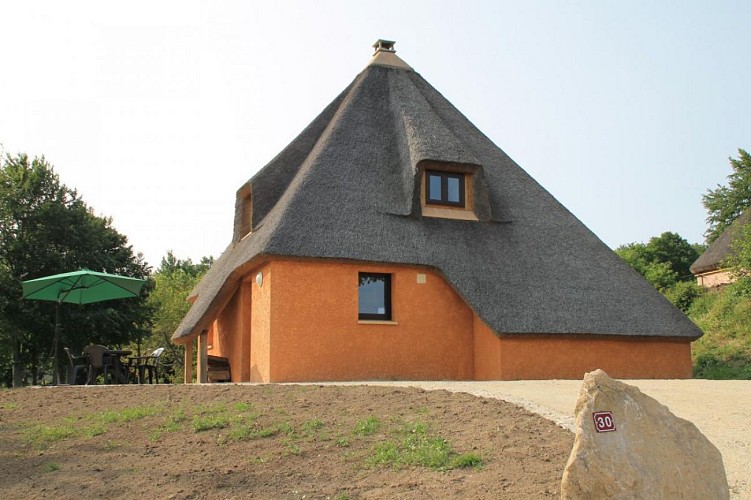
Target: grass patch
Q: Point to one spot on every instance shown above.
(367, 426)
(128, 414)
(414, 446)
(44, 435)
(51, 467)
(202, 423)
(312, 426)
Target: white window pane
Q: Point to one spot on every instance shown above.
(453, 188)
(372, 297)
(435, 187)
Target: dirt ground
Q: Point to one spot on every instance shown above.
(720, 409)
(271, 441)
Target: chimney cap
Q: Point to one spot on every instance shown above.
(382, 45)
(385, 55)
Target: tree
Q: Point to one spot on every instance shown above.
(46, 228)
(664, 261)
(173, 281)
(725, 203)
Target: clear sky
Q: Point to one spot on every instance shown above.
(158, 111)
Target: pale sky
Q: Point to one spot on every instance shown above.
(158, 111)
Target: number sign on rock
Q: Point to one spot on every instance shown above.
(603, 421)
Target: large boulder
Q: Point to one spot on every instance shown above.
(628, 445)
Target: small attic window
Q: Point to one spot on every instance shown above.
(447, 191)
(444, 188)
(246, 215)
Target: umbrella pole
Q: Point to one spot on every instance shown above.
(55, 341)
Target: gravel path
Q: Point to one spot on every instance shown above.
(721, 409)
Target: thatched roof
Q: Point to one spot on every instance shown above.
(348, 188)
(719, 250)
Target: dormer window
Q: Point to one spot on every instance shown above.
(444, 188)
(446, 191)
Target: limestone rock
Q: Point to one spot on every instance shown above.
(651, 453)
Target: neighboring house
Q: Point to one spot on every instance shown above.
(393, 240)
(709, 268)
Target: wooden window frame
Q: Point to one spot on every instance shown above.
(386, 316)
(444, 176)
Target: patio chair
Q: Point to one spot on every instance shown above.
(76, 365)
(98, 363)
(148, 365)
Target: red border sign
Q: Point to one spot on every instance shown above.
(604, 421)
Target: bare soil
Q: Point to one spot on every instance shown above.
(278, 441)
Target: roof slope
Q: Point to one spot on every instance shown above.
(348, 188)
(716, 253)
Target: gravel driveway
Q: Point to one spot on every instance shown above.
(721, 409)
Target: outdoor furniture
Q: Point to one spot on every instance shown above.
(98, 363)
(218, 369)
(76, 365)
(119, 371)
(143, 365)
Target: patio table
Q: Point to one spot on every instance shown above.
(117, 365)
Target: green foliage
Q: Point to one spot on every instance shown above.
(725, 203)
(724, 352)
(683, 294)
(173, 281)
(46, 228)
(665, 261)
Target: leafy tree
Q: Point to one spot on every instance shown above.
(725, 203)
(46, 228)
(173, 281)
(664, 261)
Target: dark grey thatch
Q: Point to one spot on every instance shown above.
(348, 188)
(715, 255)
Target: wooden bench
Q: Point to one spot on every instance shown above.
(218, 369)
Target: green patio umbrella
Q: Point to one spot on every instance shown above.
(79, 287)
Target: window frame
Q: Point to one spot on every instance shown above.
(387, 298)
(444, 175)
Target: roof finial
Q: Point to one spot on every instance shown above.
(382, 45)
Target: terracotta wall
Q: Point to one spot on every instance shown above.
(570, 358)
(301, 325)
(260, 326)
(487, 351)
(224, 338)
(316, 334)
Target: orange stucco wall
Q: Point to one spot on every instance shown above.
(570, 358)
(301, 325)
(260, 326)
(487, 350)
(225, 338)
(316, 334)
